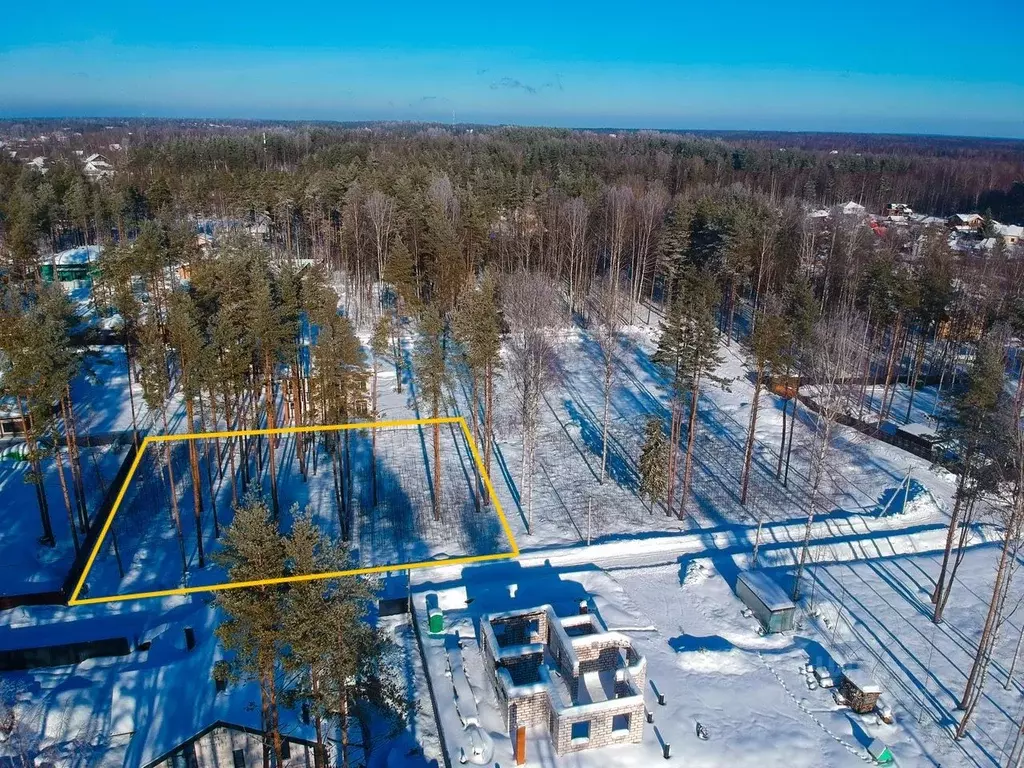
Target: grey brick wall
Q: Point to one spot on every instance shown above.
(601, 734)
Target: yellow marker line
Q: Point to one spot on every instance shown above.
(440, 563)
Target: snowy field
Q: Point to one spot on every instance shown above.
(389, 503)
(569, 453)
(750, 690)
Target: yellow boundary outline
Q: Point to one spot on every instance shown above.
(460, 420)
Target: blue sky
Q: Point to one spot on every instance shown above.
(913, 66)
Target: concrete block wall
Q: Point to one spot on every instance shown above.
(527, 710)
(601, 733)
(524, 629)
(523, 669)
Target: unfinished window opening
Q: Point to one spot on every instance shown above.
(580, 731)
(620, 723)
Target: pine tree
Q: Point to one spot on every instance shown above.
(270, 337)
(766, 343)
(688, 348)
(253, 632)
(653, 463)
(155, 391)
(186, 338)
(431, 379)
(400, 272)
(380, 345)
(971, 429)
(341, 659)
(339, 389)
(477, 326)
(605, 313)
(36, 366)
(116, 278)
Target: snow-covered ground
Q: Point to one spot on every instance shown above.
(671, 577)
(750, 690)
(103, 413)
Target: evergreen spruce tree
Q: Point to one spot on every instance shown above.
(653, 463)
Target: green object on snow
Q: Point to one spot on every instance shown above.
(13, 454)
(880, 752)
(436, 621)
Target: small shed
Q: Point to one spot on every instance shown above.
(860, 690)
(880, 752)
(919, 438)
(769, 603)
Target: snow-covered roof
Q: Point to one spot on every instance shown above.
(86, 254)
(1009, 230)
(968, 218)
(821, 213)
(852, 207)
(919, 430)
(767, 590)
(862, 680)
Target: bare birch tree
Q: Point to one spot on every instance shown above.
(533, 309)
(606, 320)
(833, 345)
(576, 216)
(380, 210)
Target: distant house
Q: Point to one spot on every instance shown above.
(898, 209)
(68, 266)
(966, 220)
(39, 163)
(1010, 234)
(11, 421)
(853, 209)
(96, 167)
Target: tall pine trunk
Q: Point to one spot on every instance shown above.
(691, 434)
(175, 516)
(751, 429)
(373, 438)
(197, 489)
(954, 524)
(488, 402)
(268, 378)
(37, 474)
(673, 453)
(437, 462)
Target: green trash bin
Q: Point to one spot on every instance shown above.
(435, 621)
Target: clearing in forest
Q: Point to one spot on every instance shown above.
(372, 484)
